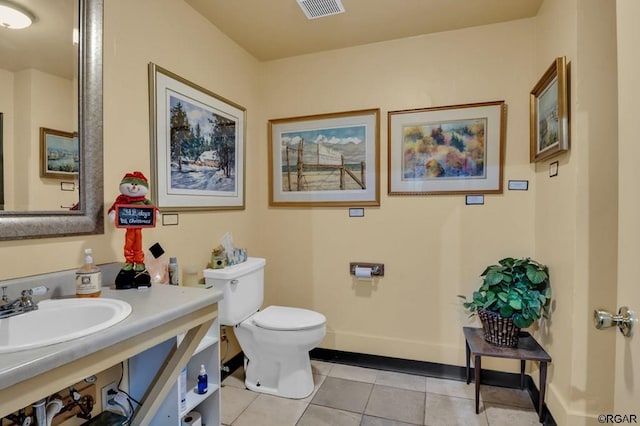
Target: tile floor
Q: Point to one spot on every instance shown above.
(346, 395)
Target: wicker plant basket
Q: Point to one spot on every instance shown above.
(498, 331)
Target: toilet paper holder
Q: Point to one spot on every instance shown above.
(377, 269)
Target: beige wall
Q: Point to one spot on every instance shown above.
(174, 37)
(51, 106)
(576, 212)
(170, 34)
(433, 247)
(556, 234)
(38, 100)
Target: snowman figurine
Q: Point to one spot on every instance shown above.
(133, 191)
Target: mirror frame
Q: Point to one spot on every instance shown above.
(89, 219)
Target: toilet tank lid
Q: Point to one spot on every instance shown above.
(237, 270)
(287, 318)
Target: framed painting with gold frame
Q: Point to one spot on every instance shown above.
(549, 113)
(325, 160)
(447, 149)
(59, 154)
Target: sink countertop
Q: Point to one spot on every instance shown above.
(151, 308)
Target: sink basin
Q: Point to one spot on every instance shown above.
(60, 320)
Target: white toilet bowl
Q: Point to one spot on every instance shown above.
(276, 342)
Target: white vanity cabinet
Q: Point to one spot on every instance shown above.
(144, 366)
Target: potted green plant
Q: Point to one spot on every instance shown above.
(514, 294)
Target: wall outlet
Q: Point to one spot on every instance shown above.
(105, 393)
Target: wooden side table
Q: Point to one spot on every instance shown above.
(528, 349)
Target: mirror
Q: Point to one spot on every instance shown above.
(88, 218)
(39, 75)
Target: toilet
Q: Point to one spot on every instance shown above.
(276, 340)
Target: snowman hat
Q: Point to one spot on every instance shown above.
(136, 178)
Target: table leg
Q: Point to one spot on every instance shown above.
(468, 362)
(477, 366)
(522, 363)
(543, 387)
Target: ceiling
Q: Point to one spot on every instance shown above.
(274, 29)
(46, 45)
(267, 29)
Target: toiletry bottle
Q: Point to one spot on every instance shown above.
(182, 389)
(88, 277)
(203, 381)
(174, 272)
(157, 265)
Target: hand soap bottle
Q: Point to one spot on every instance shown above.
(203, 381)
(88, 277)
(174, 271)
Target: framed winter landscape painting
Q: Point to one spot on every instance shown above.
(197, 145)
(447, 150)
(325, 160)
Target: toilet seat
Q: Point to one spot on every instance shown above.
(286, 318)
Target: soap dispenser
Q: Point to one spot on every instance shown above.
(88, 277)
(203, 381)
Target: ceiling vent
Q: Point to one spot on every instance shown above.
(320, 8)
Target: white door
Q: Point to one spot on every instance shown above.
(627, 371)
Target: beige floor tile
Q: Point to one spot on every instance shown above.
(378, 421)
(347, 395)
(268, 410)
(321, 368)
(350, 372)
(343, 394)
(396, 404)
(316, 415)
(503, 415)
(505, 396)
(234, 402)
(402, 381)
(451, 388)
(442, 410)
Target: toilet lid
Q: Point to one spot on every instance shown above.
(287, 318)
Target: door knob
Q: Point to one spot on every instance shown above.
(624, 320)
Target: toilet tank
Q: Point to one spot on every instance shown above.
(242, 286)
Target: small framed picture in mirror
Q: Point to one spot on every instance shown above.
(59, 154)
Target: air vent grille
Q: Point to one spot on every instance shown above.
(320, 8)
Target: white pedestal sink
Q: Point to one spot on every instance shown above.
(60, 320)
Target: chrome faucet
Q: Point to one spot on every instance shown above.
(23, 304)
